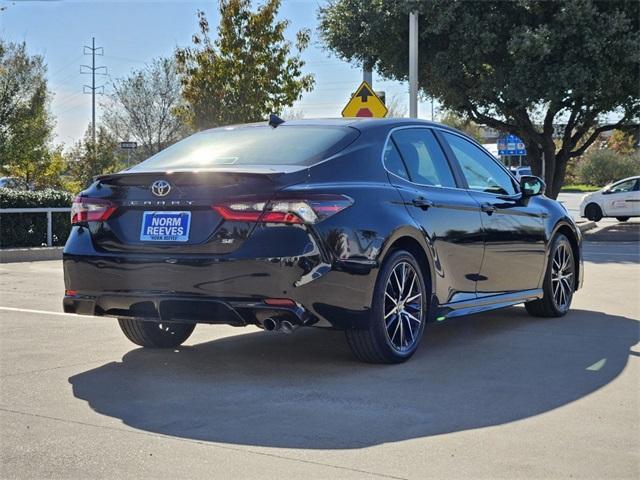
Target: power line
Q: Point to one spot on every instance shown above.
(66, 100)
(125, 59)
(93, 70)
(60, 69)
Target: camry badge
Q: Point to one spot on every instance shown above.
(160, 188)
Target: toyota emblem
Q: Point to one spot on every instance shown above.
(160, 188)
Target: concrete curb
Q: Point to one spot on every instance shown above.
(622, 232)
(586, 226)
(12, 255)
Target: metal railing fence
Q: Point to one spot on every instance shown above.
(47, 210)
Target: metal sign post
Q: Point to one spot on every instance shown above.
(128, 146)
(367, 76)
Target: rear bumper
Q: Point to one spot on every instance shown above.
(216, 290)
(185, 309)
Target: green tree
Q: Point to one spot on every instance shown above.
(53, 172)
(247, 72)
(600, 167)
(523, 66)
(25, 123)
(86, 160)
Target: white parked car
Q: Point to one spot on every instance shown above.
(620, 199)
(520, 172)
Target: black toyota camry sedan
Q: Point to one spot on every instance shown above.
(371, 226)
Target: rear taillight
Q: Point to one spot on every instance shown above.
(311, 209)
(86, 209)
(280, 302)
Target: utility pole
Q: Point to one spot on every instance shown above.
(413, 65)
(93, 70)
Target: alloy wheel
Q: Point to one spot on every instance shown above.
(562, 277)
(403, 307)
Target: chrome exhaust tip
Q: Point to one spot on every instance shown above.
(270, 324)
(287, 327)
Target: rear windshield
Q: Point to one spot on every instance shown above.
(260, 145)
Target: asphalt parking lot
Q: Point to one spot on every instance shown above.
(499, 395)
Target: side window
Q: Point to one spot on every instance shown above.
(481, 171)
(393, 162)
(627, 186)
(423, 157)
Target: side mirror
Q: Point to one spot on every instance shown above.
(531, 186)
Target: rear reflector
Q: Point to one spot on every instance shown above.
(86, 209)
(311, 209)
(280, 302)
(70, 293)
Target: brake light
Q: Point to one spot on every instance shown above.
(280, 302)
(86, 209)
(311, 209)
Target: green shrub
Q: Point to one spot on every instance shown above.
(601, 167)
(30, 229)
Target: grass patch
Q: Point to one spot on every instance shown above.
(579, 188)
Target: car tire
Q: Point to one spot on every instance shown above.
(593, 212)
(622, 219)
(155, 334)
(384, 340)
(560, 274)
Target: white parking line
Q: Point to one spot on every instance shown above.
(41, 312)
(613, 254)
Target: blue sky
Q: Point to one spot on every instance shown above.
(135, 31)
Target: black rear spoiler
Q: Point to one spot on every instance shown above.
(257, 170)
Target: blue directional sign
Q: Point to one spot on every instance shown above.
(511, 145)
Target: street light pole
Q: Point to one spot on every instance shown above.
(413, 64)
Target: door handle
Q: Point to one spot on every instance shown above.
(488, 208)
(422, 203)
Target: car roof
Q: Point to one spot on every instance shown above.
(635, 177)
(359, 123)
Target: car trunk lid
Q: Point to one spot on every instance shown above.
(154, 202)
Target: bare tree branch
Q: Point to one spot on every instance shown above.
(142, 107)
(621, 125)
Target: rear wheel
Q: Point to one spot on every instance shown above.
(559, 282)
(622, 219)
(397, 316)
(155, 334)
(593, 212)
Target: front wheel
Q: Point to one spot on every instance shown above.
(593, 212)
(155, 334)
(622, 219)
(559, 281)
(398, 313)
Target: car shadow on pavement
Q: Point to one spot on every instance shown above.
(305, 391)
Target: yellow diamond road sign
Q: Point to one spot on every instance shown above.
(365, 103)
